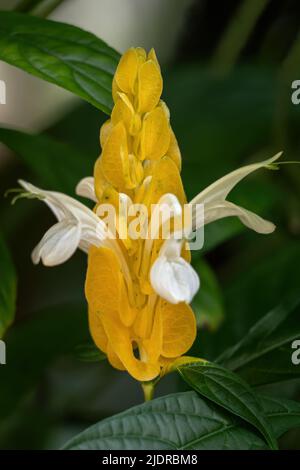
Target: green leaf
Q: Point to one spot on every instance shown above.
(61, 54)
(229, 391)
(264, 355)
(88, 352)
(57, 166)
(208, 302)
(32, 347)
(183, 421)
(283, 414)
(8, 288)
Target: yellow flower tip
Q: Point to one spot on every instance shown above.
(152, 56)
(127, 69)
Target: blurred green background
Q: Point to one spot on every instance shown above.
(228, 69)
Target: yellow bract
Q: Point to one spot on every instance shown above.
(139, 331)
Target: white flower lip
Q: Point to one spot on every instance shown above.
(77, 227)
(58, 244)
(172, 277)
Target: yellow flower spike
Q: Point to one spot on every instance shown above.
(155, 135)
(150, 86)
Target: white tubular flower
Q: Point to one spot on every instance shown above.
(171, 276)
(77, 227)
(217, 207)
(168, 207)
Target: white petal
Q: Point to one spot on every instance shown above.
(219, 190)
(174, 280)
(58, 244)
(66, 207)
(168, 207)
(86, 188)
(248, 218)
(228, 209)
(172, 277)
(216, 207)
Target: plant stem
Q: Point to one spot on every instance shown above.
(148, 389)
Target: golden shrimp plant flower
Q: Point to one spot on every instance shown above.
(138, 289)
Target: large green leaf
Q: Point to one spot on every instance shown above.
(264, 355)
(282, 413)
(33, 345)
(183, 421)
(60, 53)
(8, 288)
(58, 166)
(208, 302)
(229, 391)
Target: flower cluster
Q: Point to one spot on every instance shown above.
(139, 329)
(138, 289)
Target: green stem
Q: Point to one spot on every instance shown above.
(148, 389)
(236, 35)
